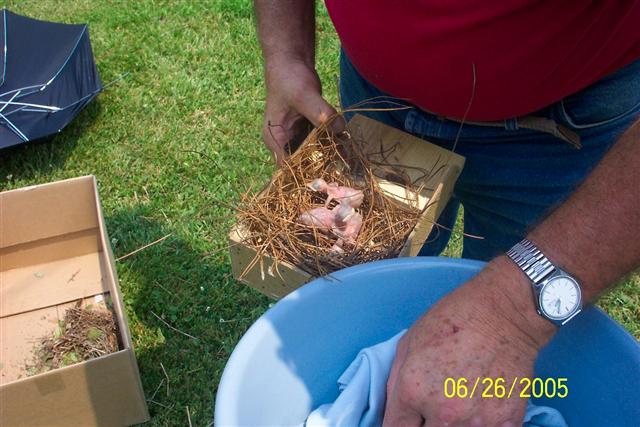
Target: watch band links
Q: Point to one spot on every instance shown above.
(531, 260)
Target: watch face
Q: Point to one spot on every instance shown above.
(560, 297)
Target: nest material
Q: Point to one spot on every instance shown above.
(269, 220)
(84, 333)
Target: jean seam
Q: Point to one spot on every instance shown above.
(414, 124)
(409, 122)
(571, 123)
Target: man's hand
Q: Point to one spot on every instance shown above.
(488, 328)
(286, 29)
(293, 97)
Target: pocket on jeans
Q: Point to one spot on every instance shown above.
(611, 98)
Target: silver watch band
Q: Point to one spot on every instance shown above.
(532, 262)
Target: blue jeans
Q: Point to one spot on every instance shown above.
(513, 177)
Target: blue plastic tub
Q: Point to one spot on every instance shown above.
(288, 362)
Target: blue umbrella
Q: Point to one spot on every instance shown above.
(47, 75)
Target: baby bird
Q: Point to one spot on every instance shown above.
(343, 195)
(320, 218)
(324, 220)
(336, 249)
(348, 223)
(342, 221)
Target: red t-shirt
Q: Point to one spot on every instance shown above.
(527, 53)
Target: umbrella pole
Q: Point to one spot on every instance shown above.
(4, 62)
(14, 128)
(9, 102)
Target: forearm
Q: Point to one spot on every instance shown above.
(294, 102)
(489, 327)
(595, 234)
(286, 29)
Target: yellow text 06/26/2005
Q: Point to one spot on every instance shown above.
(499, 388)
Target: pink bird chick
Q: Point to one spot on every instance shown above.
(348, 223)
(336, 249)
(320, 218)
(342, 221)
(343, 195)
(325, 220)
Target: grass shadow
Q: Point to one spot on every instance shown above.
(186, 314)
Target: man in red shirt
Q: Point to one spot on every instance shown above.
(534, 79)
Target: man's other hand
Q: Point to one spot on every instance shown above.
(488, 328)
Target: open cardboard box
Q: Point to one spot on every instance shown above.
(386, 145)
(54, 251)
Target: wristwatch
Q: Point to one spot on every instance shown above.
(557, 295)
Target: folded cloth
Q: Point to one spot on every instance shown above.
(363, 392)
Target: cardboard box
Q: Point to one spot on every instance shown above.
(399, 148)
(54, 251)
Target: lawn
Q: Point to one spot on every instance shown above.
(172, 145)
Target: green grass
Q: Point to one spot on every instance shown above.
(171, 145)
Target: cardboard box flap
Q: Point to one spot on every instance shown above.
(424, 226)
(34, 213)
(44, 285)
(111, 275)
(100, 392)
(424, 164)
(403, 194)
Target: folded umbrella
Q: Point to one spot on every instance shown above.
(47, 75)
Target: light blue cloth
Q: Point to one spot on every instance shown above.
(363, 391)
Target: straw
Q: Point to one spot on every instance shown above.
(269, 220)
(83, 334)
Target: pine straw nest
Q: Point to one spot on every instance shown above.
(83, 334)
(269, 220)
